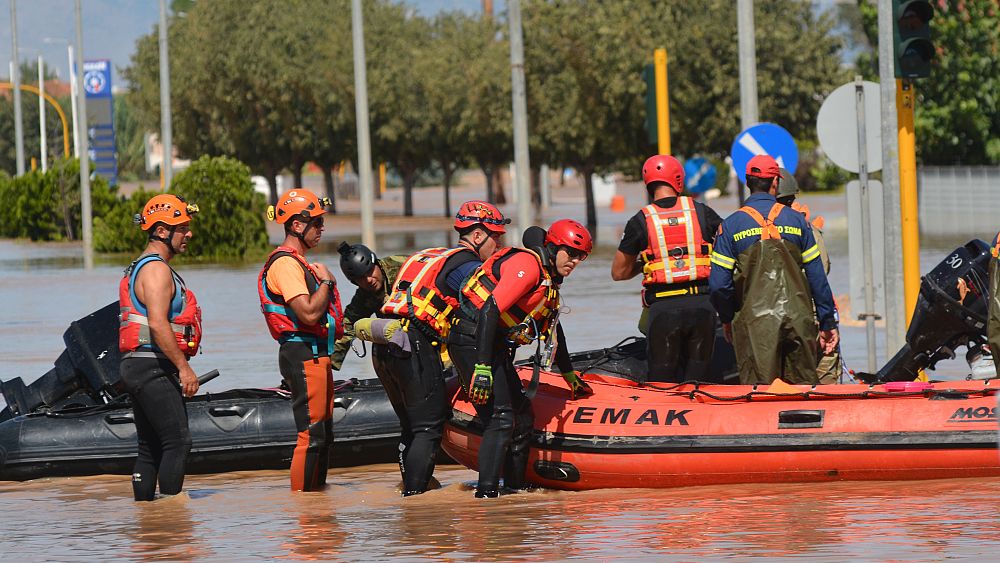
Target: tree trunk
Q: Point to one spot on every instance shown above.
(498, 197)
(448, 172)
(409, 178)
(488, 172)
(536, 187)
(272, 179)
(331, 190)
(588, 183)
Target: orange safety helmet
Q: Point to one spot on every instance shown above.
(168, 209)
(300, 202)
(663, 168)
(567, 232)
(480, 213)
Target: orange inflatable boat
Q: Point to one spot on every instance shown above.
(663, 435)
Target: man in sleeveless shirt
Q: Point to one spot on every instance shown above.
(766, 277)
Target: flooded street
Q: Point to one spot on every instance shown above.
(361, 516)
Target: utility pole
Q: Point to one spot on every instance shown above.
(520, 107)
(15, 78)
(364, 136)
(85, 209)
(895, 316)
(748, 69)
(166, 129)
(43, 143)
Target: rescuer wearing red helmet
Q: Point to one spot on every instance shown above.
(301, 307)
(160, 328)
(408, 339)
(511, 300)
(669, 241)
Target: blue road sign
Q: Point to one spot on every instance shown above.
(101, 118)
(699, 175)
(764, 138)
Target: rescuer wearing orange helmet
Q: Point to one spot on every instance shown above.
(670, 241)
(160, 328)
(511, 300)
(416, 319)
(301, 306)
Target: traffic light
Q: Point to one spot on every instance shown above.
(649, 77)
(911, 38)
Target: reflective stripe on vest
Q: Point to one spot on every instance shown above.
(677, 250)
(416, 295)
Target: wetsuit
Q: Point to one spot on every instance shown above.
(304, 361)
(415, 381)
(480, 336)
(680, 320)
(153, 385)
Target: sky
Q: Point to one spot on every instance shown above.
(111, 27)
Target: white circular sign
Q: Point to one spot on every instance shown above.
(94, 81)
(837, 126)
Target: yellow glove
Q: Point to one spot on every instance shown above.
(577, 386)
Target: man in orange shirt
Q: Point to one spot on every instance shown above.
(301, 306)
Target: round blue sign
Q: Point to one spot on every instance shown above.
(94, 81)
(764, 138)
(699, 175)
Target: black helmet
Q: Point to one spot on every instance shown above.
(356, 260)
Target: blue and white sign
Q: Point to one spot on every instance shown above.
(764, 138)
(97, 78)
(699, 175)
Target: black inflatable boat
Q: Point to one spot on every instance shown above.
(76, 420)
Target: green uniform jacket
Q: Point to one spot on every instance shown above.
(365, 304)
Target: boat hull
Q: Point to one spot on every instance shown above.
(666, 436)
(245, 429)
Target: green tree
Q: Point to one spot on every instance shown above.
(957, 114)
(130, 140)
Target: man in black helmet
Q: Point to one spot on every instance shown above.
(374, 278)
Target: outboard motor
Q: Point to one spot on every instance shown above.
(85, 373)
(951, 312)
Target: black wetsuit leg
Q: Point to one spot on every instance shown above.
(420, 377)
(681, 339)
(161, 426)
(384, 362)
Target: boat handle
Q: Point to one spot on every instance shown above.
(227, 411)
(342, 402)
(120, 418)
(801, 419)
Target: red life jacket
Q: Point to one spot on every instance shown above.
(677, 252)
(533, 315)
(418, 292)
(281, 320)
(134, 338)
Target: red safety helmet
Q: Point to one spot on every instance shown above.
(567, 232)
(663, 168)
(298, 202)
(480, 213)
(168, 209)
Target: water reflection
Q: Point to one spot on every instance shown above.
(316, 534)
(165, 530)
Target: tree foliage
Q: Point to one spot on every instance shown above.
(958, 107)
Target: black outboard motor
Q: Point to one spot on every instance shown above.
(944, 318)
(85, 373)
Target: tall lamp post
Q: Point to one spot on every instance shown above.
(42, 141)
(85, 209)
(72, 88)
(15, 78)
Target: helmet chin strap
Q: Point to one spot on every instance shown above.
(168, 240)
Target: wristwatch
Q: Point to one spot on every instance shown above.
(328, 283)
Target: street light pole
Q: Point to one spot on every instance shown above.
(364, 136)
(15, 78)
(43, 142)
(72, 88)
(85, 209)
(748, 69)
(520, 110)
(166, 130)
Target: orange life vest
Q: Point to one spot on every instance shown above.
(768, 230)
(532, 316)
(281, 320)
(802, 208)
(134, 338)
(677, 252)
(418, 293)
